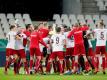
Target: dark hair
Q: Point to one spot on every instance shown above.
(58, 29)
(28, 26)
(35, 27)
(40, 23)
(49, 27)
(12, 26)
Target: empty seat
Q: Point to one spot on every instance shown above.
(10, 16)
(65, 19)
(21, 23)
(27, 19)
(89, 20)
(3, 18)
(96, 18)
(104, 18)
(81, 20)
(101, 6)
(57, 19)
(72, 19)
(18, 16)
(1, 33)
(11, 21)
(6, 28)
(88, 17)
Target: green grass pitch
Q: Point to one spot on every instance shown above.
(11, 76)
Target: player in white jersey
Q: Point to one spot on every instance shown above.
(58, 42)
(19, 47)
(10, 48)
(101, 34)
(69, 52)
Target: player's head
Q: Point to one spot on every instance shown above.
(35, 27)
(50, 28)
(13, 27)
(76, 25)
(41, 25)
(63, 28)
(68, 29)
(21, 30)
(58, 29)
(29, 27)
(101, 24)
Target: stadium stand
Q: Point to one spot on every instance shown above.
(70, 20)
(9, 19)
(102, 4)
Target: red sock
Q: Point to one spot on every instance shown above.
(103, 63)
(48, 67)
(86, 65)
(6, 65)
(31, 64)
(54, 66)
(93, 61)
(61, 67)
(37, 64)
(97, 64)
(26, 67)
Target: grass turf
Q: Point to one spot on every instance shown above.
(11, 76)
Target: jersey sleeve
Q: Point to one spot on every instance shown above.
(70, 33)
(41, 41)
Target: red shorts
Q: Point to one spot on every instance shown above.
(90, 52)
(79, 49)
(69, 51)
(100, 49)
(9, 51)
(35, 51)
(58, 54)
(21, 53)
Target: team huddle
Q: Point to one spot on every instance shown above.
(67, 49)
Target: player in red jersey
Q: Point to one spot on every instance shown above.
(35, 39)
(29, 29)
(27, 32)
(43, 30)
(79, 48)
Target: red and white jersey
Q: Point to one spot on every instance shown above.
(11, 39)
(101, 36)
(19, 43)
(69, 41)
(57, 42)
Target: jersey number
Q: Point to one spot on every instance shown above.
(57, 40)
(102, 36)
